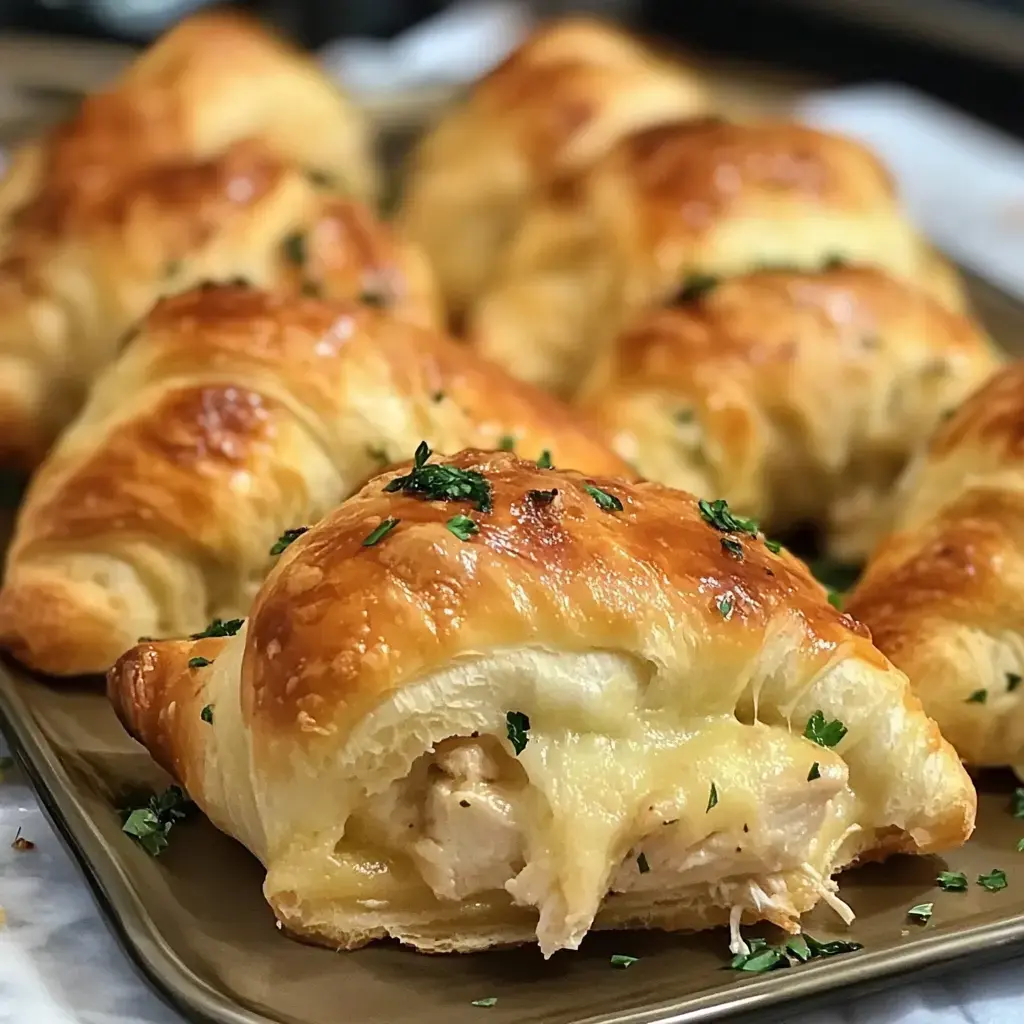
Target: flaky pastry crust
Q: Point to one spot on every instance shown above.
(233, 415)
(563, 97)
(670, 206)
(576, 672)
(942, 593)
(212, 149)
(799, 397)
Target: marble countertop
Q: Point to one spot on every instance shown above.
(60, 963)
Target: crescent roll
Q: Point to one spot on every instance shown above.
(206, 158)
(543, 704)
(672, 206)
(232, 416)
(943, 594)
(799, 397)
(563, 97)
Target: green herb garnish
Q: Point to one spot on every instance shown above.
(825, 734)
(696, 286)
(321, 179)
(438, 482)
(462, 526)
(506, 443)
(207, 714)
(622, 961)
(814, 773)
(380, 531)
(199, 662)
(993, 881)
(544, 462)
(951, 881)
(287, 538)
(378, 298)
(641, 863)
(978, 697)
(378, 455)
(1017, 804)
(725, 606)
(718, 515)
(518, 726)
(798, 949)
(921, 913)
(796, 946)
(605, 501)
(835, 599)
(294, 247)
(773, 546)
(712, 799)
(834, 948)
(219, 627)
(149, 825)
(489, 1001)
(1020, 845)
(732, 547)
(1012, 681)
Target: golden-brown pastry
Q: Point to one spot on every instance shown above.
(554, 703)
(669, 207)
(563, 97)
(232, 416)
(798, 397)
(944, 593)
(212, 150)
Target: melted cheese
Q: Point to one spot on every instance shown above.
(562, 829)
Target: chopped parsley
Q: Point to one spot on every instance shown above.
(506, 443)
(376, 297)
(921, 913)
(696, 286)
(993, 881)
(834, 575)
(173, 268)
(294, 247)
(21, 844)
(380, 531)
(773, 546)
(718, 515)
(489, 1001)
(684, 415)
(605, 501)
(150, 824)
(834, 948)
(518, 726)
(951, 881)
(1017, 805)
(219, 627)
(622, 961)
(1012, 681)
(462, 526)
(798, 948)
(1020, 845)
(825, 734)
(814, 773)
(834, 262)
(978, 697)
(438, 482)
(641, 863)
(322, 179)
(542, 497)
(712, 799)
(761, 958)
(835, 599)
(544, 462)
(732, 547)
(287, 538)
(378, 455)
(207, 714)
(725, 606)
(438, 397)
(199, 662)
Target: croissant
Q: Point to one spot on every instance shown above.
(208, 152)
(672, 206)
(563, 97)
(544, 703)
(799, 397)
(232, 416)
(942, 593)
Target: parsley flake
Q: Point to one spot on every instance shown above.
(622, 961)
(825, 734)
(605, 501)
(440, 482)
(1012, 681)
(798, 948)
(287, 538)
(725, 606)
(207, 714)
(835, 947)
(994, 881)
(544, 462)
(1017, 806)
(814, 773)
(773, 546)
(835, 599)
(219, 627)
(770, 958)
(506, 443)
(489, 1001)
(294, 247)
(951, 881)
(712, 799)
(199, 662)
(150, 824)
(641, 863)
(732, 547)
(921, 913)
(380, 531)
(462, 526)
(1020, 845)
(696, 286)
(718, 515)
(518, 726)
(978, 697)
